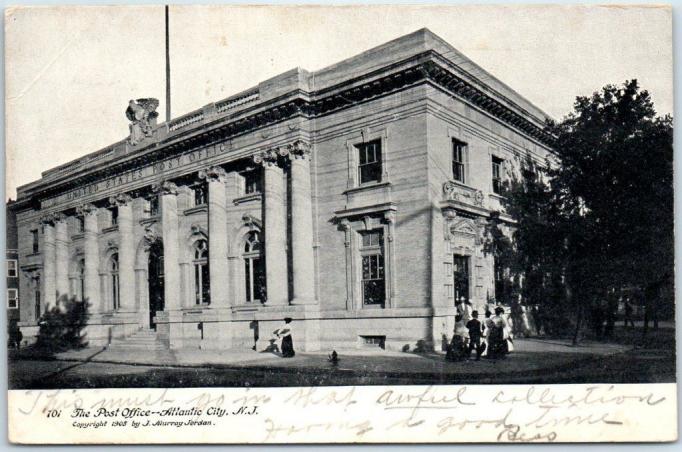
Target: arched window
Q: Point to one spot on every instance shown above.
(113, 274)
(202, 287)
(253, 268)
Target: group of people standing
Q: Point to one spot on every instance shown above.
(491, 338)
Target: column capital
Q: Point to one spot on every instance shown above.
(86, 209)
(344, 224)
(52, 218)
(449, 214)
(270, 157)
(389, 216)
(165, 188)
(120, 200)
(298, 150)
(150, 236)
(213, 174)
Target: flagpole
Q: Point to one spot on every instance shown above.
(168, 92)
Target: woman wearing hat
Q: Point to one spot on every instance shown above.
(287, 346)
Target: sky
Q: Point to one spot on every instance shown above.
(70, 71)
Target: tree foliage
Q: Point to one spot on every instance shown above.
(61, 328)
(598, 218)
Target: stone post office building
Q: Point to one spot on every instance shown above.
(352, 199)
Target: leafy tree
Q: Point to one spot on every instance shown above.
(598, 218)
(61, 328)
(614, 183)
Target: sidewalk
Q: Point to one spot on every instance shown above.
(530, 357)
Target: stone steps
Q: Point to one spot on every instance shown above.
(143, 339)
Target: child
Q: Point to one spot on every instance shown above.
(475, 332)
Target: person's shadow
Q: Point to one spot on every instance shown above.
(273, 348)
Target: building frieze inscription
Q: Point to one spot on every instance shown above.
(149, 171)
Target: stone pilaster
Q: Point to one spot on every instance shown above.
(302, 224)
(347, 242)
(217, 232)
(391, 268)
(48, 283)
(62, 257)
(126, 251)
(91, 253)
(167, 192)
(275, 228)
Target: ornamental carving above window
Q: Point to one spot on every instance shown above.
(452, 191)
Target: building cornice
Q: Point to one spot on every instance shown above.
(206, 127)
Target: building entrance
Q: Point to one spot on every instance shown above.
(155, 281)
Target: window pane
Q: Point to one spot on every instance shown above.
(252, 181)
(366, 263)
(259, 289)
(205, 284)
(497, 175)
(366, 240)
(114, 288)
(374, 292)
(458, 172)
(154, 206)
(369, 161)
(197, 285)
(461, 277)
(247, 274)
(12, 268)
(12, 298)
(370, 172)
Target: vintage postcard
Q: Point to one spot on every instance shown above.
(340, 224)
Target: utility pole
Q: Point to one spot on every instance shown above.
(168, 88)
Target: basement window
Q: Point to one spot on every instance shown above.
(374, 341)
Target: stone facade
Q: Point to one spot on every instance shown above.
(353, 199)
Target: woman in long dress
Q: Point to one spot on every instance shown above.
(496, 337)
(287, 346)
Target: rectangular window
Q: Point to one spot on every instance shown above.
(461, 275)
(252, 182)
(369, 162)
(114, 216)
(12, 268)
(12, 298)
(373, 279)
(36, 241)
(459, 149)
(374, 341)
(200, 197)
(154, 206)
(497, 175)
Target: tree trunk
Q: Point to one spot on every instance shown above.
(654, 307)
(578, 322)
(649, 299)
(578, 315)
